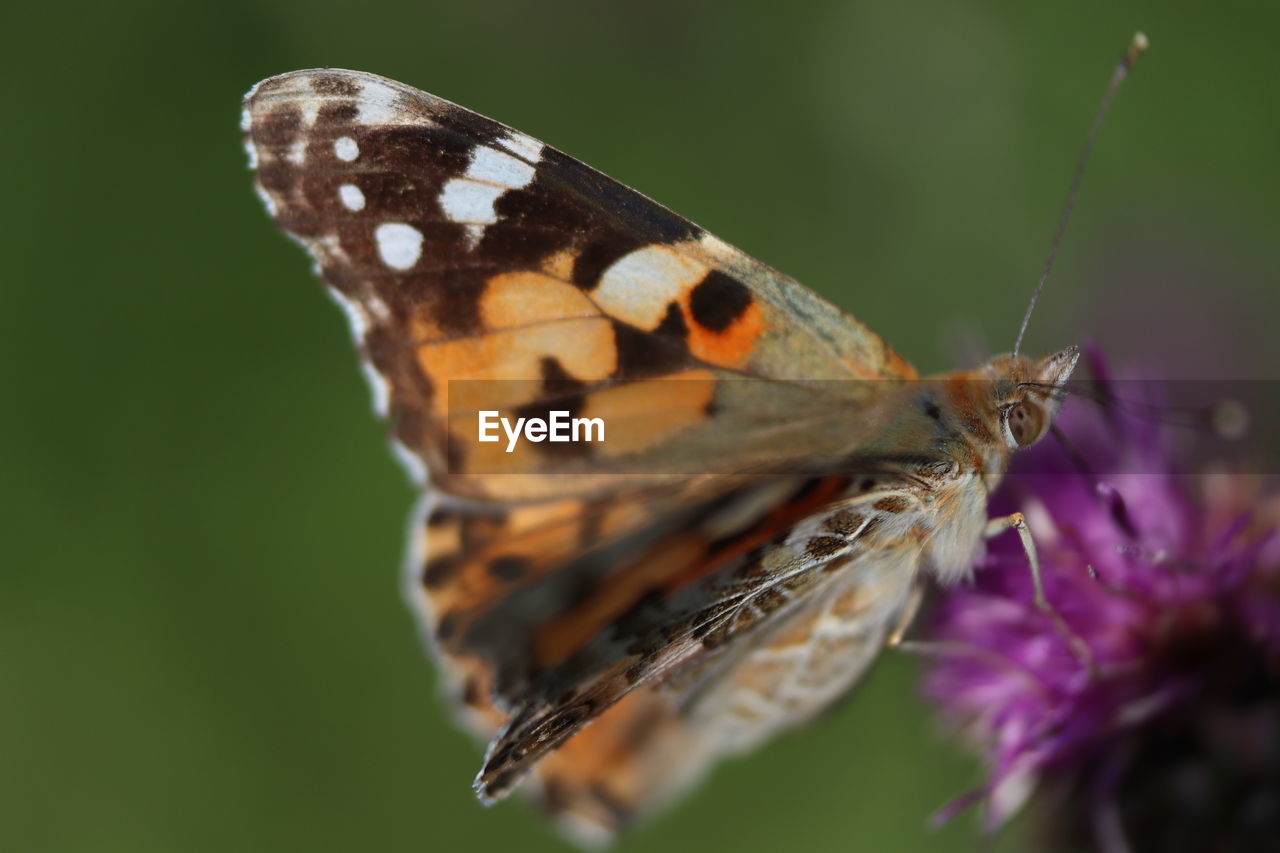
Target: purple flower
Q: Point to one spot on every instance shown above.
(1149, 716)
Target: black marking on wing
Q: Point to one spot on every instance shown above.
(719, 300)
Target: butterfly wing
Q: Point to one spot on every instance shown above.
(475, 259)
(760, 638)
(482, 269)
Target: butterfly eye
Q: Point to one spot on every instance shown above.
(1023, 424)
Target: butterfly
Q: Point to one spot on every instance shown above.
(777, 486)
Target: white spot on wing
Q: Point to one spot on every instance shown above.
(377, 113)
(297, 153)
(467, 201)
(640, 285)
(310, 110)
(378, 104)
(399, 245)
(474, 235)
(525, 146)
(352, 198)
(379, 309)
(470, 199)
(496, 167)
(345, 148)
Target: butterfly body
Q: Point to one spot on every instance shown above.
(775, 482)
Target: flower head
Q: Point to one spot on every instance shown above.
(1151, 707)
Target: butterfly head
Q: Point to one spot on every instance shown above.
(1026, 394)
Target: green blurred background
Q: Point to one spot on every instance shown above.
(201, 630)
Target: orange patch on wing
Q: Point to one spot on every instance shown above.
(584, 347)
(731, 347)
(641, 415)
(545, 545)
(423, 325)
(779, 519)
(476, 585)
(544, 535)
(444, 538)
(671, 566)
(619, 518)
(632, 754)
(491, 457)
(521, 298)
(526, 518)
(606, 742)
(559, 639)
(560, 265)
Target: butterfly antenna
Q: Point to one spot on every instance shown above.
(1136, 47)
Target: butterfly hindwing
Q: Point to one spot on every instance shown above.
(777, 621)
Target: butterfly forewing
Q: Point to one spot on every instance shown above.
(468, 251)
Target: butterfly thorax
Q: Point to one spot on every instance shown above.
(949, 443)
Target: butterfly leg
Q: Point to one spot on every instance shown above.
(1017, 521)
(909, 611)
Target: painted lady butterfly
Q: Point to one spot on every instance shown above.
(611, 632)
